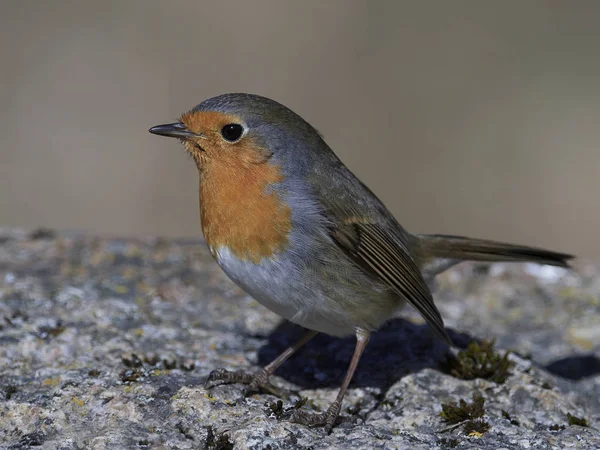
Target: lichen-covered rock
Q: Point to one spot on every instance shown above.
(106, 344)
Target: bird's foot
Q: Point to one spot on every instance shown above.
(327, 419)
(257, 382)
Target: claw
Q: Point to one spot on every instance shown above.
(227, 377)
(268, 388)
(327, 419)
(256, 382)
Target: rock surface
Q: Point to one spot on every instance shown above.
(106, 344)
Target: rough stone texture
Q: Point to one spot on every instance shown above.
(106, 343)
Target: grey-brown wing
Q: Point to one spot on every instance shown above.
(388, 258)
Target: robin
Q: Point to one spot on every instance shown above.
(293, 227)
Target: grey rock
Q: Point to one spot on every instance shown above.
(106, 343)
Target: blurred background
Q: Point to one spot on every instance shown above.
(465, 117)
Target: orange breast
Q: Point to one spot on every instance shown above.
(237, 212)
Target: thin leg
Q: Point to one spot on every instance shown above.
(260, 379)
(270, 368)
(329, 417)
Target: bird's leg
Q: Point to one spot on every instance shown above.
(329, 417)
(259, 380)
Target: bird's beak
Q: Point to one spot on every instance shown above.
(176, 130)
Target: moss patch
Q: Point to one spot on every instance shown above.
(216, 441)
(275, 408)
(455, 413)
(480, 360)
(579, 421)
(466, 414)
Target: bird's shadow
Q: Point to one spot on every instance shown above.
(399, 348)
(576, 367)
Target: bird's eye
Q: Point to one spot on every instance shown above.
(232, 132)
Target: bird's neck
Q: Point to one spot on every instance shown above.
(241, 212)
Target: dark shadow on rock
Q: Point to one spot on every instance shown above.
(399, 348)
(575, 367)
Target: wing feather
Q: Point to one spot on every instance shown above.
(388, 258)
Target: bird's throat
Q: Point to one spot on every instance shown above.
(240, 211)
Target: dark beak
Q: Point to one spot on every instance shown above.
(176, 130)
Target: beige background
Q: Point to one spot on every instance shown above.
(470, 117)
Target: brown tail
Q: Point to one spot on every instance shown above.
(458, 247)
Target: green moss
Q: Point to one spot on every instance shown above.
(188, 366)
(169, 364)
(217, 441)
(149, 365)
(151, 359)
(132, 360)
(49, 332)
(455, 413)
(507, 416)
(300, 402)
(353, 409)
(468, 415)
(131, 375)
(275, 408)
(9, 391)
(479, 360)
(476, 427)
(186, 431)
(574, 420)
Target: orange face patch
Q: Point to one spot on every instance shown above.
(236, 211)
(207, 122)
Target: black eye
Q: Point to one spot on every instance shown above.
(232, 132)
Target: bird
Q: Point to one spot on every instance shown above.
(295, 229)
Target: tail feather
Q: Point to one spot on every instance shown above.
(464, 248)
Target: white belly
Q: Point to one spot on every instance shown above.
(277, 285)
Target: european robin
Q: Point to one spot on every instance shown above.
(293, 227)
